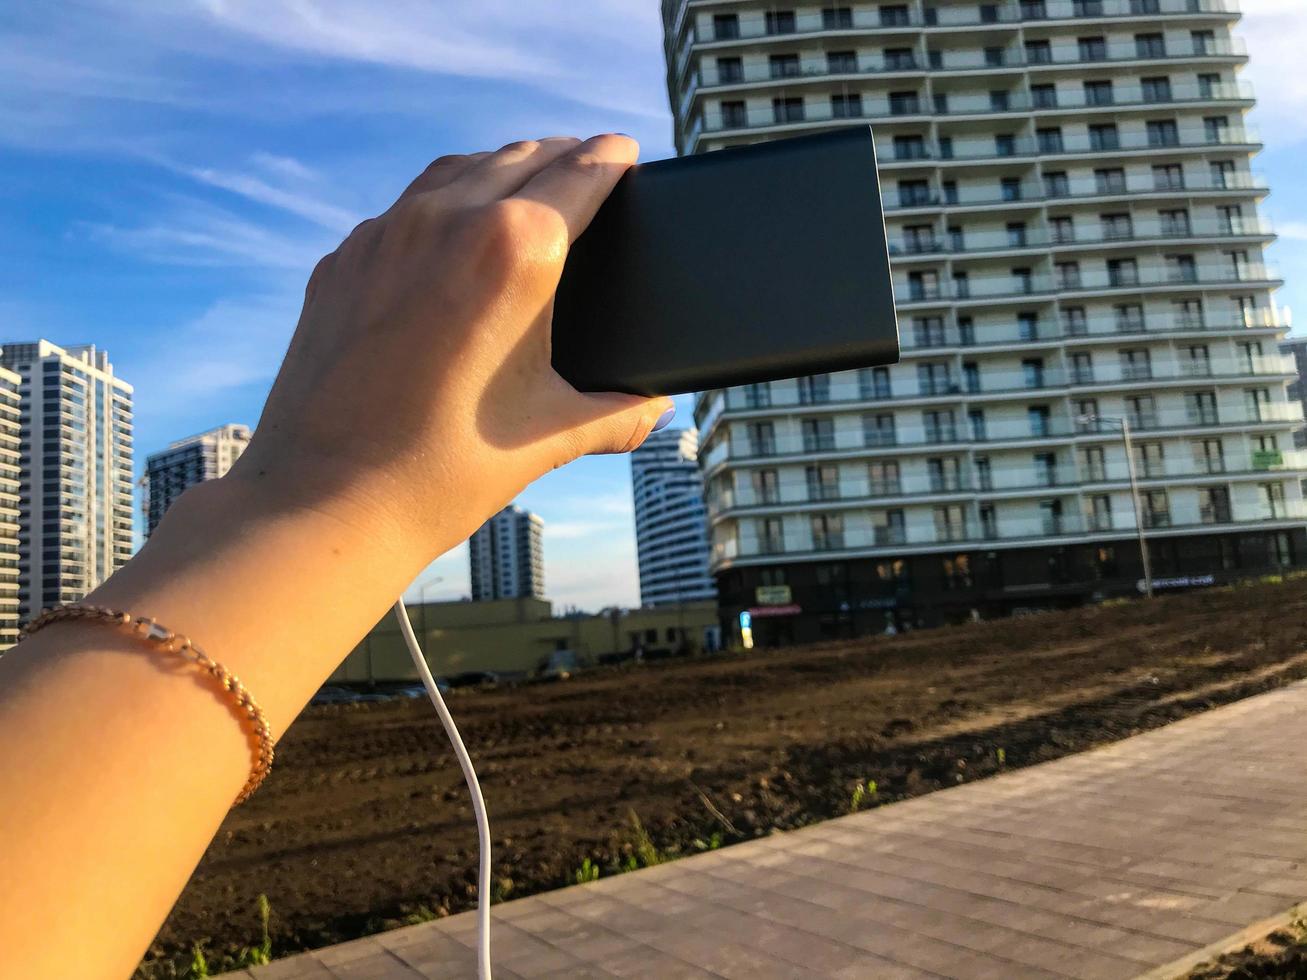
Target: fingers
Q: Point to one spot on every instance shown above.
(578, 181)
(615, 423)
(441, 172)
(502, 173)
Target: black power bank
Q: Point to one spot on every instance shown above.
(731, 267)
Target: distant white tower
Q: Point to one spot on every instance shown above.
(671, 528)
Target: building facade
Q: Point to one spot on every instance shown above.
(507, 556)
(1075, 240)
(671, 529)
(1296, 347)
(10, 504)
(186, 462)
(75, 492)
(517, 637)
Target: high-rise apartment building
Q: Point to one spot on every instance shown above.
(507, 556)
(671, 528)
(186, 462)
(75, 508)
(1075, 239)
(10, 480)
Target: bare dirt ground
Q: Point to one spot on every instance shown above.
(1279, 955)
(365, 822)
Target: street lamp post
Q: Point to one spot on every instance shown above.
(1124, 425)
(422, 597)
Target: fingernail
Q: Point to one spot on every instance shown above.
(663, 419)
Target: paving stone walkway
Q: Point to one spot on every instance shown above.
(1102, 865)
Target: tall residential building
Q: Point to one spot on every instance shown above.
(1296, 347)
(507, 556)
(1075, 236)
(671, 529)
(10, 480)
(75, 509)
(187, 462)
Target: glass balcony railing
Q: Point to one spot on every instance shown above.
(1003, 528)
(749, 26)
(1087, 233)
(992, 287)
(1036, 194)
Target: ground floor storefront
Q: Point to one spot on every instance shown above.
(822, 599)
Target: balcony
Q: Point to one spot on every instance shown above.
(1091, 233)
(1073, 55)
(1000, 287)
(913, 438)
(1080, 189)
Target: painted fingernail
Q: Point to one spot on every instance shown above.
(663, 419)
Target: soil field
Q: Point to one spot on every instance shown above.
(365, 822)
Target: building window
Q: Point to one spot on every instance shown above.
(1168, 177)
(1104, 136)
(787, 109)
(846, 106)
(1116, 227)
(827, 532)
(1109, 180)
(1214, 505)
(1098, 93)
(1043, 96)
(1156, 508)
(1039, 53)
(837, 18)
(1150, 459)
(779, 21)
(1150, 46)
(1157, 90)
(1209, 456)
(734, 115)
(766, 486)
(814, 389)
(842, 62)
(957, 572)
(895, 15)
(726, 27)
(730, 70)
(1163, 132)
(888, 527)
(1092, 48)
(878, 430)
(1280, 550)
(784, 65)
(950, 523)
(818, 435)
(883, 478)
(823, 482)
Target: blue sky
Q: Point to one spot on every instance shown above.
(170, 170)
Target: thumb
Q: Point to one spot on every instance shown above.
(616, 423)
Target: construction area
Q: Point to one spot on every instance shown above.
(365, 825)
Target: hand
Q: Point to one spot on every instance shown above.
(417, 395)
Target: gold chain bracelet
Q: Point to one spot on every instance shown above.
(152, 632)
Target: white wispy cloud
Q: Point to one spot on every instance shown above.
(205, 236)
(256, 189)
(233, 343)
(1276, 34)
(1292, 230)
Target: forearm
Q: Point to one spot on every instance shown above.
(130, 760)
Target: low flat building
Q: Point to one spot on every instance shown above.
(522, 636)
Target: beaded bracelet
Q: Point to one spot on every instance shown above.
(152, 632)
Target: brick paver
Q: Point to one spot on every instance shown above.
(1099, 866)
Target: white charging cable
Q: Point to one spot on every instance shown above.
(469, 774)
